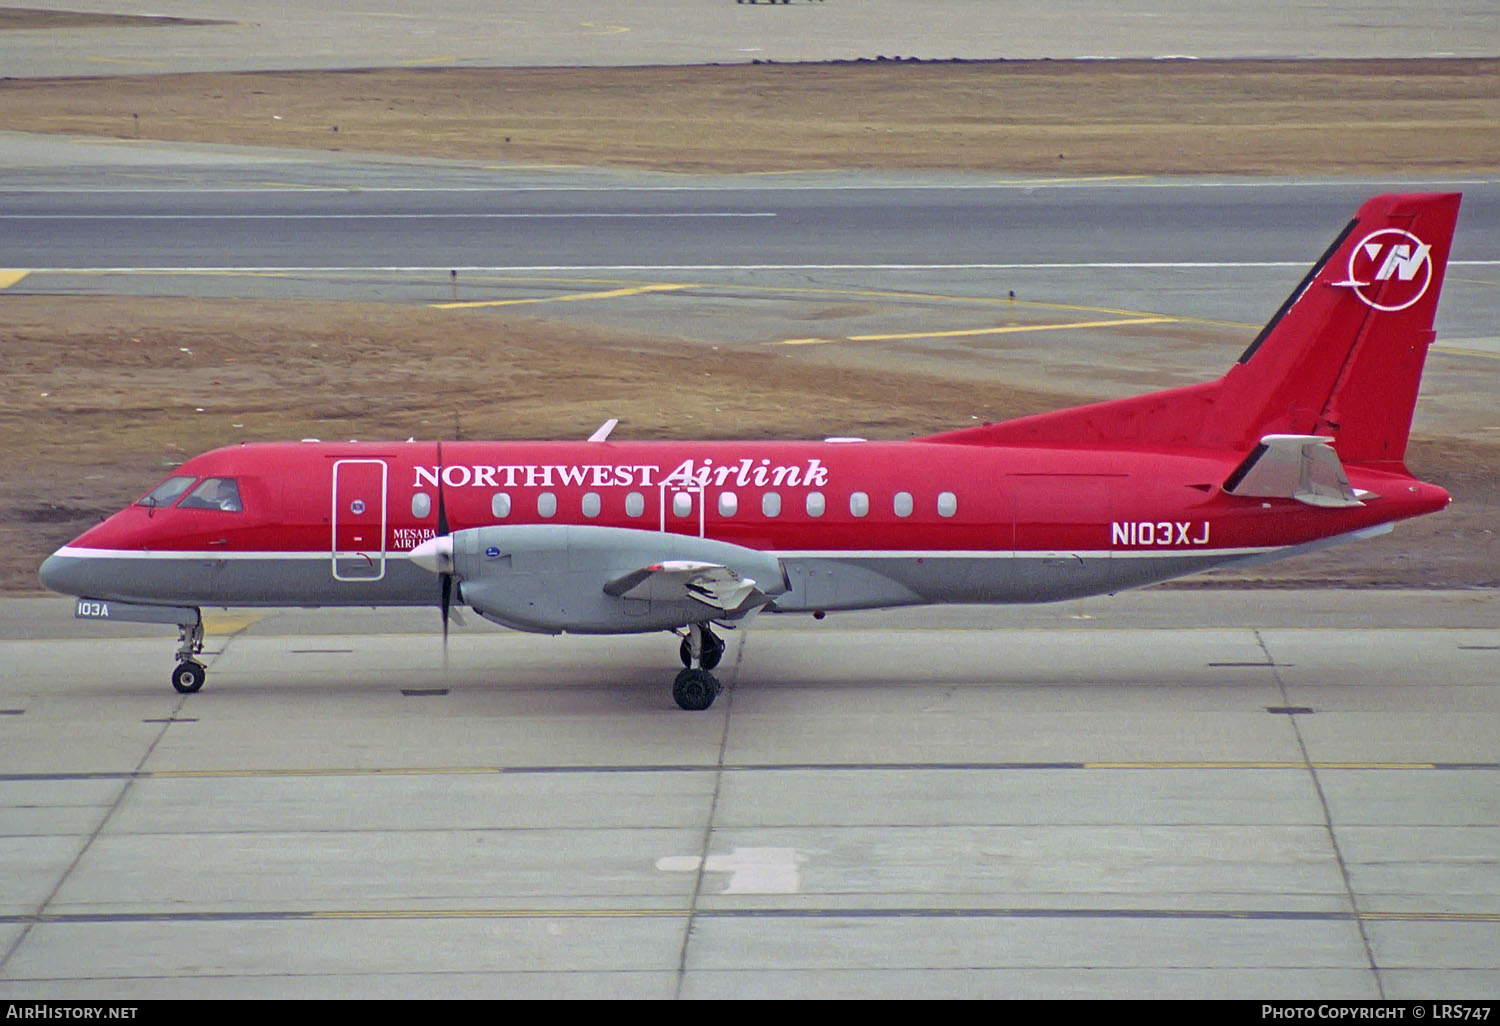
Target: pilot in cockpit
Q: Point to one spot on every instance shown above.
(221, 493)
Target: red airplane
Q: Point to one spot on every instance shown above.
(1300, 445)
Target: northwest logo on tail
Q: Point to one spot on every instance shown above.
(1389, 269)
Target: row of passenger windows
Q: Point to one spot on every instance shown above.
(682, 505)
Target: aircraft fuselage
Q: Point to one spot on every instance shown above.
(854, 524)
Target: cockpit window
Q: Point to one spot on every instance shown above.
(167, 492)
(214, 493)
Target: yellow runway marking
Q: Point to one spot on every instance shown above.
(939, 297)
(1458, 351)
(571, 298)
(230, 623)
(9, 278)
(895, 294)
(1431, 917)
(629, 287)
(123, 60)
(1007, 330)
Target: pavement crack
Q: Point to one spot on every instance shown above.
(1333, 838)
(726, 706)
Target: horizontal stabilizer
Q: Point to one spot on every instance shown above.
(712, 584)
(1301, 467)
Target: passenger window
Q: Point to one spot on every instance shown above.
(167, 492)
(546, 505)
(635, 504)
(770, 504)
(903, 504)
(815, 504)
(421, 504)
(859, 504)
(947, 504)
(591, 504)
(500, 505)
(729, 504)
(682, 503)
(220, 493)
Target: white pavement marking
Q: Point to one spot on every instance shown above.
(752, 870)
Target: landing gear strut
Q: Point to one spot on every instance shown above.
(190, 673)
(695, 688)
(711, 647)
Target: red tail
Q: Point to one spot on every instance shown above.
(1342, 357)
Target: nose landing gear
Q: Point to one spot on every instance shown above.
(190, 674)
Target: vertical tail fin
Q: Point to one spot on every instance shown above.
(1342, 358)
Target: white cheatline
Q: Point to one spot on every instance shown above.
(864, 554)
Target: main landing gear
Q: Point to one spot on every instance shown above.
(695, 688)
(190, 673)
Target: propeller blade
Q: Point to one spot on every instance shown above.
(442, 527)
(442, 552)
(447, 602)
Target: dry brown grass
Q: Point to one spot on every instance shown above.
(1069, 117)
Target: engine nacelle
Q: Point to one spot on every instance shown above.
(550, 578)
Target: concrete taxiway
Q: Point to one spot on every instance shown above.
(1169, 793)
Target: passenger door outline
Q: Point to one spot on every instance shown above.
(359, 488)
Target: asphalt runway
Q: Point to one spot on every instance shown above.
(1167, 794)
(1052, 284)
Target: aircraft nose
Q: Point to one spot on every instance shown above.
(64, 574)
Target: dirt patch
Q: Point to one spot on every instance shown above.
(1054, 117)
(105, 395)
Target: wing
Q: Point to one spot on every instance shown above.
(712, 584)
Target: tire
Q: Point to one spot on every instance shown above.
(695, 690)
(189, 676)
